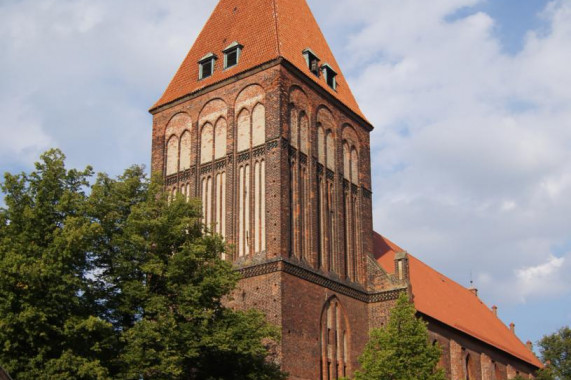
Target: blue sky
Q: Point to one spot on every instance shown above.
(471, 101)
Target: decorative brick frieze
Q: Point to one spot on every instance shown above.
(354, 189)
(171, 180)
(367, 193)
(220, 164)
(243, 157)
(272, 144)
(259, 151)
(304, 271)
(330, 175)
(206, 169)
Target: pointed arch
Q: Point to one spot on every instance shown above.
(350, 135)
(177, 143)
(335, 340)
(249, 96)
(212, 111)
(177, 124)
(298, 98)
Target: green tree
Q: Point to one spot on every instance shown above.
(555, 349)
(168, 283)
(114, 280)
(401, 349)
(49, 327)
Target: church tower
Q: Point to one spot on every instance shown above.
(260, 124)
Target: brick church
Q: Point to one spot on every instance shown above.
(259, 122)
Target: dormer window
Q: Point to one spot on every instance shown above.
(206, 66)
(329, 75)
(312, 61)
(232, 54)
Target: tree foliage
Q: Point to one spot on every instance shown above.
(401, 349)
(113, 280)
(555, 350)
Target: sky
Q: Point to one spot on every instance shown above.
(470, 99)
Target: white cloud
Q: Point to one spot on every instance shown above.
(543, 280)
(82, 74)
(23, 137)
(472, 147)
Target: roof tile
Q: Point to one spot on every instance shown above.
(438, 297)
(267, 29)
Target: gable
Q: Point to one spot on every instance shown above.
(267, 30)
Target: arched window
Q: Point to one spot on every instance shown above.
(469, 368)
(207, 201)
(330, 151)
(335, 341)
(251, 133)
(177, 144)
(497, 373)
(259, 206)
(244, 132)
(206, 144)
(172, 156)
(258, 125)
(299, 182)
(220, 197)
(185, 151)
(304, 134)
(220, 139)
(351, 205)
(244, 210)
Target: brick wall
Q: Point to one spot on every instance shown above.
(486, 361)
(295, 300)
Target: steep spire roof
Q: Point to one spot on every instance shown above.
(267, 30)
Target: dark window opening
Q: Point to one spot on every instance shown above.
(231, 58)
(232, 54)
(312, 61)
(330, 76)
(206, 69)
(206, 66)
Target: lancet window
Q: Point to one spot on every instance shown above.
(177, 153)
(335, 341)
(326, 193)
(213, 141)
(251, 172)
(299, 183)
(351, 205)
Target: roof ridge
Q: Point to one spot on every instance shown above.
(276, 22)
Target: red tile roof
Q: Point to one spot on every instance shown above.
(267, 29)
(438, 297)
